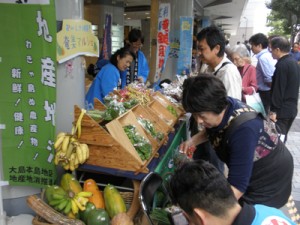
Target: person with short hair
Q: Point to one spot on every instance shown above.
(285, 86)
(205, 197)
(139, 69)
(240, 58)
(295, 52)
(211, 50)
(265, 67)
(253, 152)
(108, 78)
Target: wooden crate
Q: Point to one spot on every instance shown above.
(115, 128)
(157, 108)
(165, 102)
(99, 105)
(105, 149)
(158, 123)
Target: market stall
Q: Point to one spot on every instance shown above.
(134, 132)
(111, 151)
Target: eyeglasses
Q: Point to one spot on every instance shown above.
(137, 44)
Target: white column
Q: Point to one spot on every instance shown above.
(70, 76)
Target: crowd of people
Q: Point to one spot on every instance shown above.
(224, 129)
(251, 145)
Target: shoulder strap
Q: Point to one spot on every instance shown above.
(236, 122)
(223, 64)
(245, 71)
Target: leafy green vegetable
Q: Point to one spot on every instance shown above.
(172, 110)
(149, 127)
(141, 145)
(160, 216)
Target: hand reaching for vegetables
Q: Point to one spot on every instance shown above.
(187, 148)
(190, 145)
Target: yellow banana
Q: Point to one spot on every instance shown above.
(81, 200)
(72, 161)
(60, 134)
(65, 143)
(79, 205)
(56, 158)
(79, 154)
(85, 194)
(78, 123)
(86, 150)
(58, 143)
(61, 155)
(66, 166)
(74, 206)
(69, 150)
(76, 161)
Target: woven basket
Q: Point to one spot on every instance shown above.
(40, 221)
(127, 196)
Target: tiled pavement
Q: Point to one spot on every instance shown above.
(293, 144)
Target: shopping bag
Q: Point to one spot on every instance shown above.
(255, 102)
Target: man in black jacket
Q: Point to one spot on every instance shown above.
(285, 86)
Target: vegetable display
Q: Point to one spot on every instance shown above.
(141, 145)
(149, 127)
(114, 109)
(172, 110)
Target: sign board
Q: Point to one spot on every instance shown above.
(76, 38)
(28, 91)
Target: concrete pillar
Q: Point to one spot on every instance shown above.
(70, 75)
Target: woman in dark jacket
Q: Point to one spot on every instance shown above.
(260, 166)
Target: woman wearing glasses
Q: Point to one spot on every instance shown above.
(139, 69)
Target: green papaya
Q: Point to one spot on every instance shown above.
(98, 217)
(70, 184)
(114, 203)
(83, 215)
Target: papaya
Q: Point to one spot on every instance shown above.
(97, 198)
(83, 215)
(114, 203)
(70, 184)
(98, 217)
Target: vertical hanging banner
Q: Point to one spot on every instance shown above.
(164, 16)
(28, 91)
(105, 52)
(186, 45)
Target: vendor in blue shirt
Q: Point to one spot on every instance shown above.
(206, 197)
(139, 69)
(253, 152)
(108, 78)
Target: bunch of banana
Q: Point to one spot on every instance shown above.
(66, 204)
(61, 202)
(69, 151)
(79, 201)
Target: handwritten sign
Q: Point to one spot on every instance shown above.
(76, 38)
